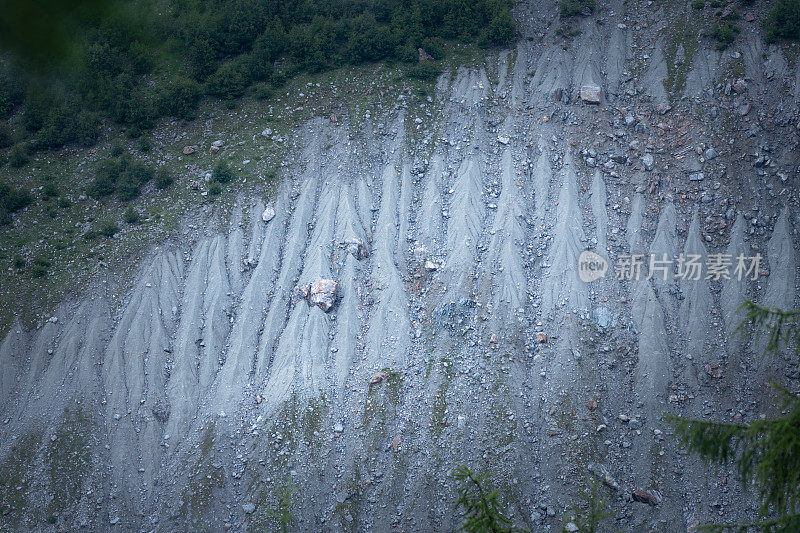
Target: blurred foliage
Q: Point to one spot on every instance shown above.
(75, 63)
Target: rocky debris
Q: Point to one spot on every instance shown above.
(604, 318)
(397, 443)
(696, 176)
(650, 497)
(188, 150)
(356, 248)
(424, 56)
(590, 94)
(321, 293)
(268, 214)
(744, 109)
(571, 527)
(601, 471)
(648, 161)
(378, 378)
(739, 86)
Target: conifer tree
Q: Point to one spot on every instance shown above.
(766, 452)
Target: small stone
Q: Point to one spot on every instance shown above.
(338, 428)
(650, 497)
(696, 176)
(744, 109)
(503, 139)
(268, 214)
(188, 150)
(648, 161)
(571, 527)
(248, 508)
(267, 132)
(590, 94)
(378, 378)
(541, 337)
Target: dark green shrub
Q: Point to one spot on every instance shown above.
(18, 157)
(64, 202)
(163, 178)
(144, 144)
(6, 137)
(724, 33)
(19, 262)
(570, 8)
(41, 267)
(108, 229)
(131, 216)
(116, 149)
(271, 174)
(50, 190)
(180, 98)
(215, 188)
(783, 21)
(222, 172)
(427, 71)
(230, 81)
(698, 4)
(262, 91)
(11, 201)
(131, 180)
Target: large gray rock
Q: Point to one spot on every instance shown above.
(322, 293)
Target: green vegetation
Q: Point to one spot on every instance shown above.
(766, 451)
(164, 178)
(282, 513)
(698, 4)
(131, 215)
(570, 8)
(592, 510)
(117, 70)
(108, 229)
(68, 461)
(783, 21)
(11, 201)
(121, 176)
(41, 266)
(482, 512)
(724, 33)
(222, 172)
(15, 477)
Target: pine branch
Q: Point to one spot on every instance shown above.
(781, 327)
(767, 451)
(482, 512)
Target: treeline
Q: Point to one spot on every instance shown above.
(139, 60)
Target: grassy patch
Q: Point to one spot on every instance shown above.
(684, 34)
(15, 472)
(69, 460)
(570, 8)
